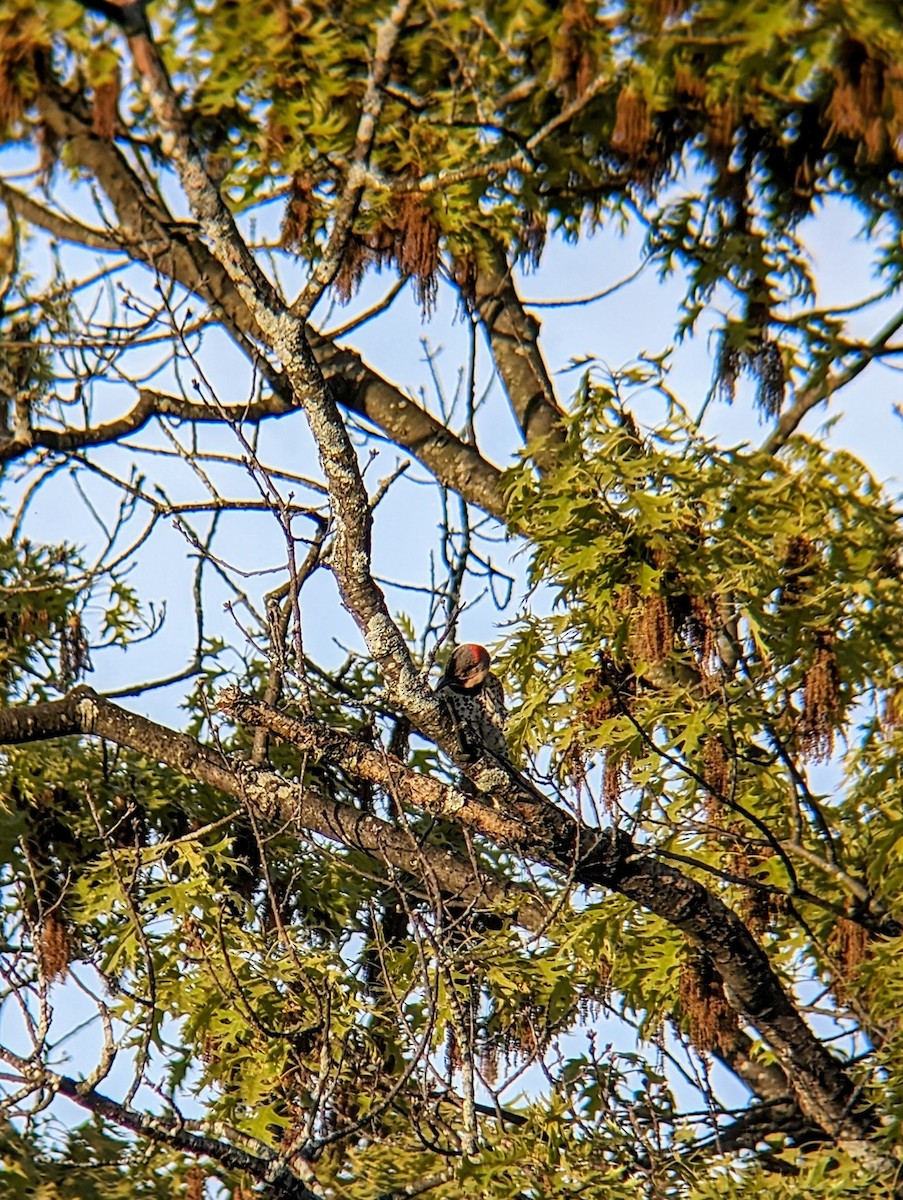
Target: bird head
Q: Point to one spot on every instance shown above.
(467, 667)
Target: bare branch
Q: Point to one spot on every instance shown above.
(150, 404)
(285, 333)
(64, 228)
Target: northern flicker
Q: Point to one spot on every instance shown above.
(476, 701)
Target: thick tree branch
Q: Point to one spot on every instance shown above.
(765, 1080)
(514, 337)
(82, 712)
(150, 404)
(549, 836)
(363, 761)
(455, 464)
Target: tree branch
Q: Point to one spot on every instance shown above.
(547, 835)
(285, 334)
(765, 1080)
(84, 713)
(455, 464)
(514, 338)
(58, 226)
(169, 1131)
(753, 1127)
(150, 404)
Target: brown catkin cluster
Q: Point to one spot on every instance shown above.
(722, 122)
(54, 947)
(730, 361)
(757, 906)
(464, 270)
(410, 238)
(632, 134)
(104, 111)
(667, 10)
(688, 85)
(767, 366)
(652, 631)
(360, 254)
(848, 947)
(761, 358)
(573, 65)
(19, 44)
(716, 771)
(195, 1178)
(417, 247)
(711, 1021)
(892, 716)
(75, 658)
(299, 213)
(27, 622)
(532, 238)
(596, 702)
(797, 570)
(821, 699)
(615, 777)
(867, 101)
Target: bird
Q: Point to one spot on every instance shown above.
(476, 701)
